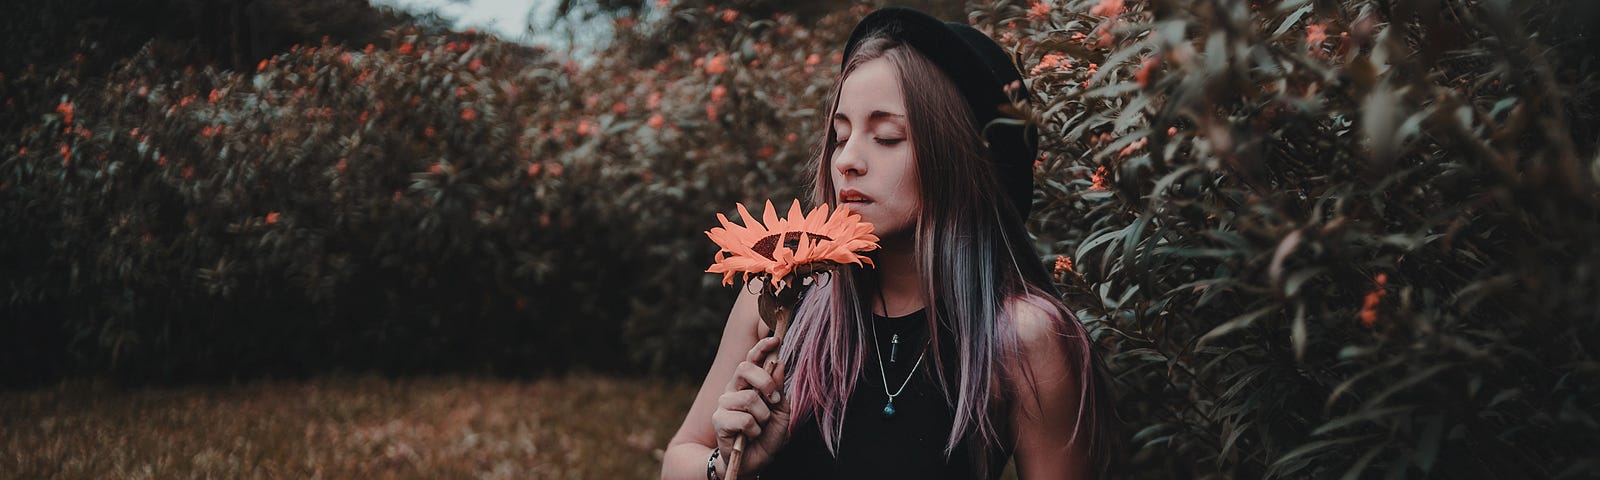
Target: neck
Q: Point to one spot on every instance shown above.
(900, 278)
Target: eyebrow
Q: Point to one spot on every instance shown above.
(876, 115)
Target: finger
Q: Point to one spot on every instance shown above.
(730, 424)
(777, 378)
(745, 401)
(749, 376)
(760, 349)
(740, 379)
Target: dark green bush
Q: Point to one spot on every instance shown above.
(454, 202)
(1327, 238)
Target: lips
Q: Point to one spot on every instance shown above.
(851, 196)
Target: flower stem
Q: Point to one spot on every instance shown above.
(777, 310)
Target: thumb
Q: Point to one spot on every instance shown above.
(778, 371)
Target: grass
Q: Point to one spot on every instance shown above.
(357, 427)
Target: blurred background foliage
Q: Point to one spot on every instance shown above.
(1315, 238)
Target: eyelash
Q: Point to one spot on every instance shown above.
(887, 142)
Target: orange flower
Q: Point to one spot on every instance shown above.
(1099, 179)
(619, 108)
(654, 101)
(406, 48)
(1145, 68)
(1063, 265)
(1316, 33)
(272, 217)
(259, 66)
(1107, 8)
(718, 64)
(469, 114)
(813, 59)
(778, 247)
(656, 121)
(65, 109)
(718, 92)
(729, 15)
(1051, 62)
(1038, 10)
(711, 112)
(1134, 147)
(1369, 305)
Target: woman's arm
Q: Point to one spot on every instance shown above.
(687, 451)
(1046, 414)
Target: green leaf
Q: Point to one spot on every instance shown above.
(1095, 240)
(1297, 332)
(1293, 461)
(1354, 473)
(1292, 284)
(1365, 415)
(1428, 448)
(1408, 382)
(1292, 19)
(1237, 323)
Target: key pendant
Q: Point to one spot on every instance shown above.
(894, 350)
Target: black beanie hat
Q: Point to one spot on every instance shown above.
(980, 70)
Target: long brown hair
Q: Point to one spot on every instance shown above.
(976, 258)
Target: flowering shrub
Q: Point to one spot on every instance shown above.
(450, 201)
(1325, 238)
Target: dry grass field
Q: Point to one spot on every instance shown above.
(350, 427)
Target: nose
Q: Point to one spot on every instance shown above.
(848, 161)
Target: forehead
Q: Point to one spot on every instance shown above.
(873, 86)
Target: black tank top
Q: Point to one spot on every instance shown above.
(909, 444)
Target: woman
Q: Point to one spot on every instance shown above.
(954, 353)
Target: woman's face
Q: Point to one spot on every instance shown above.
(874, 171)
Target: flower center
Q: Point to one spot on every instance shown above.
(791, 240)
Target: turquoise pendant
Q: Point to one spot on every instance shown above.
(888, 410)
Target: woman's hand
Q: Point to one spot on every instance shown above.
(753, 406)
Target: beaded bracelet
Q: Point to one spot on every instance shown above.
(711, 464)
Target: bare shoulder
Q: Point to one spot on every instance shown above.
(1037, 322)
(1047, 354)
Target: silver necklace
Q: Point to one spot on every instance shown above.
(888, 408)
